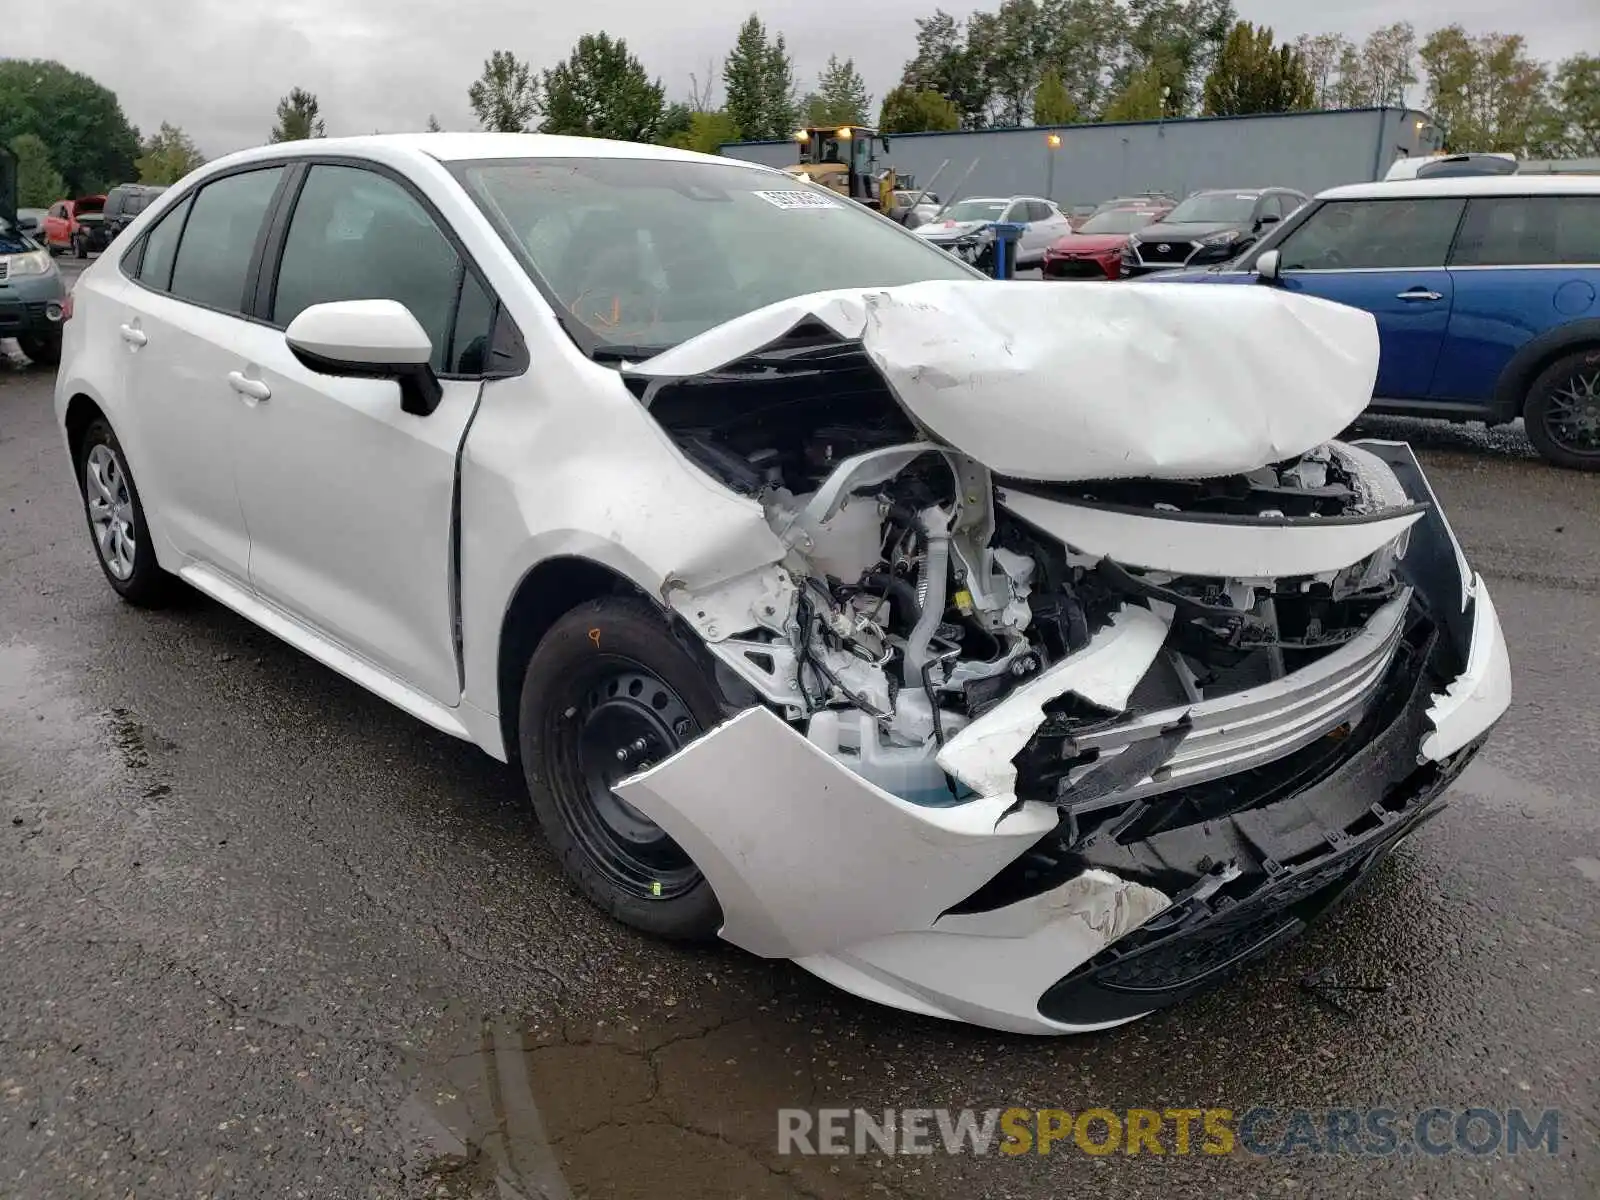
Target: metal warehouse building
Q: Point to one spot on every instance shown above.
(1307, 151)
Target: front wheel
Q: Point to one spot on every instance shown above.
(610, 691)
(1562, 413)
(44, 350)
(80, 246)
(116, 520)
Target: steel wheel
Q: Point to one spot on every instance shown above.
(111, 513)
(627, 720)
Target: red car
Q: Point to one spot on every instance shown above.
(1094, 249)
(76, 225)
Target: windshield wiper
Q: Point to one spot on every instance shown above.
(617, 352)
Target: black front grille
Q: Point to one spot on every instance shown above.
(1175, 253)
(14, 317)
(1074, 268)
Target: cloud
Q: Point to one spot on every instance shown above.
(218, 69)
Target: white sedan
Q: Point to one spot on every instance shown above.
(922, 629)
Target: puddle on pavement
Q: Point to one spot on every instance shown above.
(556, 1109)
(51, 740)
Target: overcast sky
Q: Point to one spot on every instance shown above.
(218, 69)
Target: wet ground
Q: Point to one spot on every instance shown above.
(262, 935)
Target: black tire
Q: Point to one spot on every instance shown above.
(1562, 411)
(146, 584)
(80, 247)
(44, 350)
(608, 669)
(55, 250)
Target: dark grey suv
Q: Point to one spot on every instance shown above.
(125, 202)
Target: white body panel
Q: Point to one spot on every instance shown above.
(815, 858)
(1104, 673)
(1199, 547)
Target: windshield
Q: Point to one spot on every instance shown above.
(650, 252)
(1118, 220)
(976, 210)
(1214, 207)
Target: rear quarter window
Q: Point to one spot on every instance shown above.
(1530, 231)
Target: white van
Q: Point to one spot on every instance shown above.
(1437, 166)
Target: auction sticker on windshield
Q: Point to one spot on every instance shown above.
(798, 199)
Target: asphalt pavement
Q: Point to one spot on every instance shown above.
(263, 935)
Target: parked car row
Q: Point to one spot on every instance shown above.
(89, 223)
(1484, 289)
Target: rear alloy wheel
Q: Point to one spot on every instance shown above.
(116, 520)
(608, 693)
(1562, 413)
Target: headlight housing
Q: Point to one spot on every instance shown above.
(34, 262)
(1226, 237)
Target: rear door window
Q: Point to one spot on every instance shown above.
(1038, 210)
(1519, 231)
(160, 246)
(1349, 235)
(219, 239)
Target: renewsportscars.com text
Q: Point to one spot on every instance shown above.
(1265, 1131)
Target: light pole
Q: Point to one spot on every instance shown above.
(1052, 144)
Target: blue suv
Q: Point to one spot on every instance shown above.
(1486, 292)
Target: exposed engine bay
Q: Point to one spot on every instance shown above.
(919, 592)
(1068, 647)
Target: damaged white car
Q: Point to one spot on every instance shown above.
(1022, 656)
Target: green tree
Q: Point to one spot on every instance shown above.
(168, 155)
(80, 122)
(1322, 53)
(911, 110)
(759, 80)
(1487, 93)
(505, 98)
(1179, 41)
(1574, 125)
(1051, 103)
(1140, 100)
(1379, 72)
(707, 132)
(1254, 75)
(676, 120)
(841, 97)
(299, 118)
(433, 125)
(601, 90)
(1006, 48)
(39, 184)
(1085, 40)
(945, 66)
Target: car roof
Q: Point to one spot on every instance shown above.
(459, 147)
(1468, 185)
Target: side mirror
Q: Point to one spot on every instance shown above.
(369, 339)
(1268, 219)
(1267, 266)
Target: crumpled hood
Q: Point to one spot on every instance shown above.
(950, 229)
(1078, 381)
